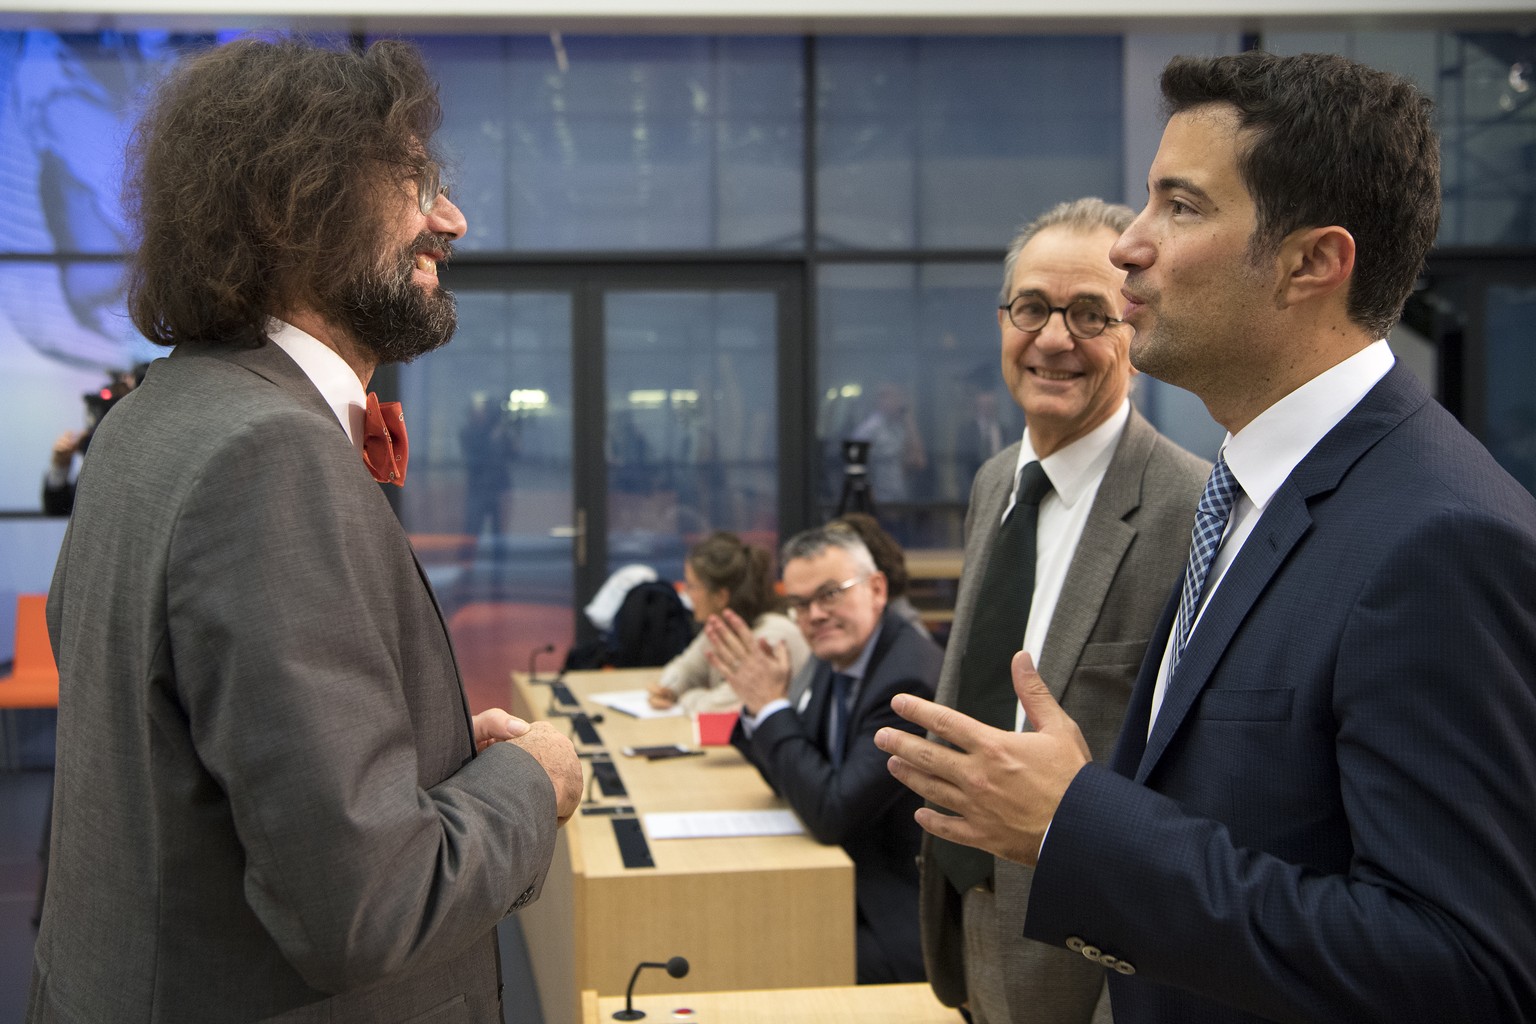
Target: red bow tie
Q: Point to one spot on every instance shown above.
(385, 448)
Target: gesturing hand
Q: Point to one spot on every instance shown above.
(1003, 787)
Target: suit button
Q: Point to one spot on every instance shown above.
(1075, 944)
(1091, 952)
(1109, 961)
(523, 900)
(1125, 968)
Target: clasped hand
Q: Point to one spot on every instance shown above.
(1003, 786)
(551, 748)
(757, 670)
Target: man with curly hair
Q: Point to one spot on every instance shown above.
(272, 802)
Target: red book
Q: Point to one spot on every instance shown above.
(713, 728)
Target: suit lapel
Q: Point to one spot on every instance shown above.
(1105, 540)
(271, 363)
(1285, 521)
(1283, 524)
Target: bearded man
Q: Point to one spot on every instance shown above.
(271, 801)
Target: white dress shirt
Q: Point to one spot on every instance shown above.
(332, 377)
(1075, 472)
(1262, 455)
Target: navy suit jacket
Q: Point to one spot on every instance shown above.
(1335, 816)
(859, 805)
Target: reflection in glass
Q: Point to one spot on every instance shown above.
(490, 477)
(907, 352)
(954, 142)
(613, 143)
(692, 427)
(488, 499)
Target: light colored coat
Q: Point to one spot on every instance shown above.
(1130, 556)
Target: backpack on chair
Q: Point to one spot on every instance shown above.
(651, 627)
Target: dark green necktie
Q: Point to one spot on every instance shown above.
(996, 635)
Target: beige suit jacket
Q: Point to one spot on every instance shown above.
(1131, 554)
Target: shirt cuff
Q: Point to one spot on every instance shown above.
(749, 723)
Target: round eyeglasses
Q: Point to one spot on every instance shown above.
(1084, 318)
(429, 185)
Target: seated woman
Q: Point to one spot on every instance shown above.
(889, 558)
(722, 572)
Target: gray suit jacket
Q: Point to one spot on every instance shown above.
(267, 802)
(1131, 554)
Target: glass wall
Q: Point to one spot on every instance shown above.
(601, 143)
(691, 412)
(888, 170)
(908, 357)
(67, 103)
(945, 143)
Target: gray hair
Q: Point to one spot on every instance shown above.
(1082, 215)
(812, 542)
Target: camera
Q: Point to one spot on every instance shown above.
(856, 496)
(98, 403)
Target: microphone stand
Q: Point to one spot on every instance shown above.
(533, 658)
(677, 967)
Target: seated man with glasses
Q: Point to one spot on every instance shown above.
(819, 754)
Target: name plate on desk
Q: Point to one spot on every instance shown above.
(607, 775)
(633, 848)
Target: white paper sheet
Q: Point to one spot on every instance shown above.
(710, 824)
(635, 703)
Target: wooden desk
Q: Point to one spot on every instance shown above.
(933, 578)
(748, 913)
(853, 1004)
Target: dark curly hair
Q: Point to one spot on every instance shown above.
(724, 561)
(256, 179)
(1330, 141)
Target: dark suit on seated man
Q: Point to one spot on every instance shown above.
(819, 754)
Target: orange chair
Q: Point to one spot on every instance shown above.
(34, 683)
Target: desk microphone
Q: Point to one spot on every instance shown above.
(533, 657)
(677, 967)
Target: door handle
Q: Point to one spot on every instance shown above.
(576, 532)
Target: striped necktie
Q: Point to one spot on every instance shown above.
(1211, 516)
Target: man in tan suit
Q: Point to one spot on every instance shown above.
(1111, 513)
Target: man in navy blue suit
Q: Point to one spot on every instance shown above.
(1322, 806)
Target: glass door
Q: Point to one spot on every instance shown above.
(586, 418)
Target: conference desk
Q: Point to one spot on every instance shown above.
(761, 912)
(861, 1004)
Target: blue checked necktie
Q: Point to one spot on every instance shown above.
(1215, 507)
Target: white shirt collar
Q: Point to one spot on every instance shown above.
(330, 374)
(1077, 467)
(1264, 453)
